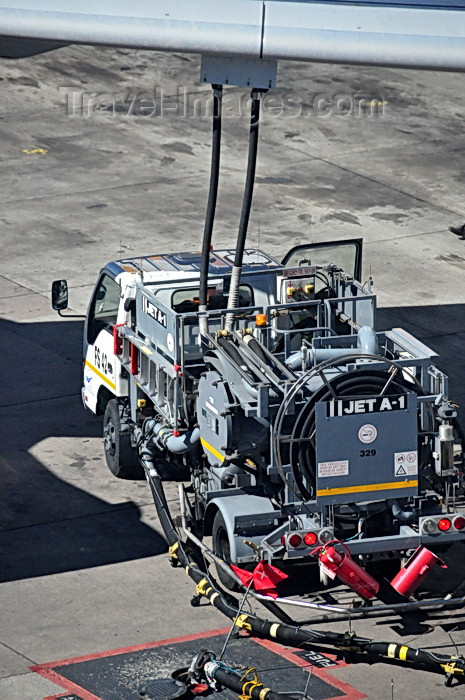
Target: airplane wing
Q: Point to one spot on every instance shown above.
(413, 33)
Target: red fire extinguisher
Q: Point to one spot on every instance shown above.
(415, 571)
(339, 563)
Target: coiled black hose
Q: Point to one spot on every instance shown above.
(363, 382)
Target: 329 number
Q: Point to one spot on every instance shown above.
(367, 453)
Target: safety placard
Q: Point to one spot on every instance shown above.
(406, 463)
(339, 468)
(367, 433)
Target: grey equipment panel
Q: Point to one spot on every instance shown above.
(366, 449)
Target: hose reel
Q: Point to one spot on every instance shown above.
(295, 435)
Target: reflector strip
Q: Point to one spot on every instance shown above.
(99, 374)
(212, 450)
(368, 487)
(274, 630)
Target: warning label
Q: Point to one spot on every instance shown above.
(340, 468)
(367, 433)
(406, 463)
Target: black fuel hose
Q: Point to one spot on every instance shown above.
(255, 346)
(180, 554)
(231, 350)
(246, 207)
(351, 643)
(247, 687)
(212, 198)
(250, 179)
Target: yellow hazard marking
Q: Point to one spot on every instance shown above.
(201, 587)
(391, 652)
(247, 692)
(241, 622)
(274, 630)
(145, 349)
(403, 653)
(33, 151)
(368, 487)
(452, 668)
(100, 374)
(211, 449)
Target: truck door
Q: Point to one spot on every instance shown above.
(101, 367)
(345, 254)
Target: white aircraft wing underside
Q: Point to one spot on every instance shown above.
(394, 34)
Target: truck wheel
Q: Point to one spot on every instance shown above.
(121, 457)
(222, 548)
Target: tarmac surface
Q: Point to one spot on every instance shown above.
(105, 153)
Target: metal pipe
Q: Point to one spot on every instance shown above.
(335, 615)
(367, 344)
(178, 444)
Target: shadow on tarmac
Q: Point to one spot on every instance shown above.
(48, 526)
(441, 328)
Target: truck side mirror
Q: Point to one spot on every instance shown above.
(59, 295)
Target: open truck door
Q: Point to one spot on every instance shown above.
(345, 254)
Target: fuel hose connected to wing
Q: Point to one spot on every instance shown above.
(290, 635)
(246, 207)
(211, 206)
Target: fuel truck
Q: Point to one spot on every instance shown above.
(289, 419)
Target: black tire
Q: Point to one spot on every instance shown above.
(222, 548)
(120, 456)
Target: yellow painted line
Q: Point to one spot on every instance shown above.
(368, 487)
(211, 449)
(32, 151)
(99, 374)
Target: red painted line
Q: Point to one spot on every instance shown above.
(48, 671)
(350, 693)
(127, 650)
(65, 683)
